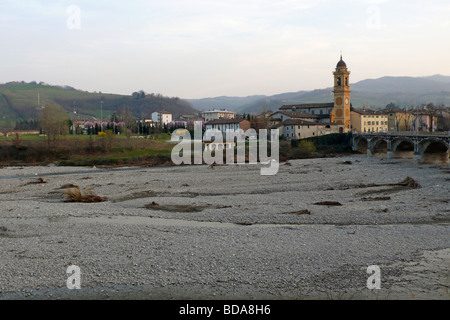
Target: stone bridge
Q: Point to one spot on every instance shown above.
(419, 141)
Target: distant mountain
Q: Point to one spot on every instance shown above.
(19, 100)
(438, 78)
(401, 84)
(376, 93)
(230, 103)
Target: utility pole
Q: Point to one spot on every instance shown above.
(417, 121)
(101, 114)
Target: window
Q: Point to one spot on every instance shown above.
(377, 123)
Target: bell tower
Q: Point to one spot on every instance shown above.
(341, 111)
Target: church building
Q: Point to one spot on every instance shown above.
(336, 112)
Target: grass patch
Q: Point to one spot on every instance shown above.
(83, 151)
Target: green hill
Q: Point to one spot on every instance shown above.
(20, 100)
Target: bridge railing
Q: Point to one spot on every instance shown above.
(406, 133)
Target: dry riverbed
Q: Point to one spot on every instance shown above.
(226, 232)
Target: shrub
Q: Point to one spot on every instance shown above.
(88, 196)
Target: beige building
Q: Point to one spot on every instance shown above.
(161, 117)
(225, 125)
(364, 121)
(399, 120)
(402, 120)
(217, 114)
(294, 129)
(424, 121)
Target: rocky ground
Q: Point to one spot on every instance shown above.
(227, 232)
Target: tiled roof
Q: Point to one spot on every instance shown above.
(308, 106)
(226, 121)
(370, 112)
(163, 112)
(297, 114)
(296, 122)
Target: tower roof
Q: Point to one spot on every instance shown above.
(341, 63)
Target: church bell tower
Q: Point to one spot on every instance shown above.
(341, 111)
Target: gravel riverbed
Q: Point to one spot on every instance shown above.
(227, 232)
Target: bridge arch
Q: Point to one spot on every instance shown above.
(360, 144)
(403, 148)
(380, 145)
(433, 150)
(402, 142)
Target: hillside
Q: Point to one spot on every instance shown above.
(377, 93)
(19, 100)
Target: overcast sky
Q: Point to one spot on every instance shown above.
(207, 48)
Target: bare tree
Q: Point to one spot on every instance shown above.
(126, 116)
(6, 128)
(54, 122)
(407, 116)
(432, 111)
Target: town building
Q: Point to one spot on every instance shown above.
(161, 117)
(280, 116)
(399, 120)
(364, 121)
(424, 121)
(320, 111)
(209, 145)
(228, 125)
(338, 111)
(294, 129)
(217, 114)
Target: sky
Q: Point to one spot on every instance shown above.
(199, 48)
